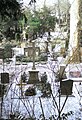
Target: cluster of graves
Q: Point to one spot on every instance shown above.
(41, 84)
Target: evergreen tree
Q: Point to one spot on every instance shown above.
(9, 8)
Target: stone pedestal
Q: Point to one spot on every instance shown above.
(33, 77)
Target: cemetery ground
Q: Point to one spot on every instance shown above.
(39, 106)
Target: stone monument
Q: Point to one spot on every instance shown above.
(33, 74)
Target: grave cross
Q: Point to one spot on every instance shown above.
(33, 74)
(33, 54)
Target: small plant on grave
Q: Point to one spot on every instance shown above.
(46, 91)
(44, 78)
(30, 91)
(43, 57)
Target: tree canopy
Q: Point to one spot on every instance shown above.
(40, 21)
(10, 13)
(9, 8)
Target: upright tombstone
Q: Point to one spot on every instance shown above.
(4, 78)
(66, 87)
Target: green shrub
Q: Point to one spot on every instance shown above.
(43, 57)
